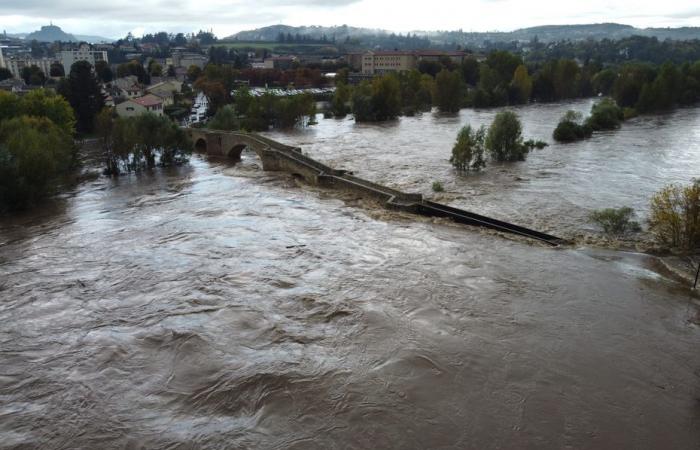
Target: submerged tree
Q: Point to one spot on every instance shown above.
(448, 91)
(34, 153)
(134, 143)
(468, 151)
(504, 140)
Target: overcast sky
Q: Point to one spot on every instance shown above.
(114, 18)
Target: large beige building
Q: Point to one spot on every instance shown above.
(379, 62)
(83, 53)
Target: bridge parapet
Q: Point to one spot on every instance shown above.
(276, 156)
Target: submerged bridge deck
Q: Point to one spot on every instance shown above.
(276, 156)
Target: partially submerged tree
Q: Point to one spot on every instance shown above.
(468, 151)
(504, 140)
(674, 217)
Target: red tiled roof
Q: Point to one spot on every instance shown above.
(148, 100)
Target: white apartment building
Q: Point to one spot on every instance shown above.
(84, 53)
(16, 64)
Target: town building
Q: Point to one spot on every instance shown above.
(187, 59)
(83, 53)
(380, 62)
(16, 64)
(377, 63)
(149, 103)
(166, 90)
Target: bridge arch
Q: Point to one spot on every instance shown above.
(235, 151)
(200, 145)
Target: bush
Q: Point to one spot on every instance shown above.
(605, 115)
(675, 216)
(504, 140)
(468, 151)
(571, 128)
(437, 187)
(615, 222)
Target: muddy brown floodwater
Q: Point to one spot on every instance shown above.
(218, 306)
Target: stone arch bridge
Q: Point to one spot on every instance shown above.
(276, 156)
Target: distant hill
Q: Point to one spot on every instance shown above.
(52, 33)
(547, 33)
(271, 33)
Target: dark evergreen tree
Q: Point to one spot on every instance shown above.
(83, 92)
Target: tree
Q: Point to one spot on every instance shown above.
(571, 128)
(155, 69)
(104, 126)
(83, 92)
(193, 72)
(134, 67)
(386, 98)
(470, 71)
(504, 140)
(103, 72)
(615, 221)
(215, 91)
(33, 75)
(362, 102)
(448, 91)
(43, 103)
(521, 85)
(136, 142)
(34, 152)
(225, 119)
(341, 97)
(605, 115)
(674, 216)
(468, 151)
(57, 70)
(5, 74)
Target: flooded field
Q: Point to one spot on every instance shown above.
(219, 306)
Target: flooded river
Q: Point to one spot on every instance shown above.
(218, 306)
(555, 190)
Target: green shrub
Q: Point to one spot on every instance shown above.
(616, 221)
(437, 187)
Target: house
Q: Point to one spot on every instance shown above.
(14, 85)
(149, 103)
(128, 87)
(166, 90)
